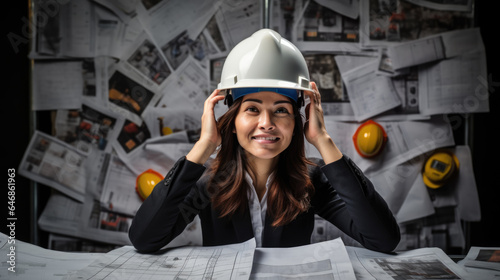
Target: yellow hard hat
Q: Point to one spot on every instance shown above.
(369, 139)
(146, 182)
(166, 130)
(439, 168)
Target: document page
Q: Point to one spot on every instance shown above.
(370, 94)
(91, 127)
(459, 42)
(193, 262)
(237, 20)
(55, 163)
(57, 85)
(416, 52)
(455, 85)
(118, 192)
(425, 263)
(88, 220)
(324, 25)
(323, 260)
(34, 262)
(483, 257)
(166, 19)
(465, 5)
(65, 29)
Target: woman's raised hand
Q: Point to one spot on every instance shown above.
(315, 129)
(209, 130)
(210, 136)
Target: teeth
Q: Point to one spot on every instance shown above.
(266, 138)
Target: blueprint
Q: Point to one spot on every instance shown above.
(323, 260)
(192, 262)
(22, 260)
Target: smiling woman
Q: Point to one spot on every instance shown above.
(260, 183)
(264, 125)
(258, 130)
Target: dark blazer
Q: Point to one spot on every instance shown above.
(343, 196)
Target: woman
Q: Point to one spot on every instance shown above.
(260, 183)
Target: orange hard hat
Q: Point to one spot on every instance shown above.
(369, 139)
(146, 182)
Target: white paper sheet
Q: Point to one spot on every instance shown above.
(123, 8)
(402, 188)
(425, 263)
(166, 19)
(57, 85)
(326, 26)
(347, 8)
(159, 156)
(416, 52)
(448, 6)
(483, 257)
(210, 262)
(322, 260)
(187, 88)
(34, 262)
(459, 42)
(146, 58)
(109, 31)
(55, 163)
(454, 86)
(407, 196)
(370, 94)
(118, 189)
(384, 24)
(466, 189)
(129, 93)
(238, 20)
(66, 29)
(417, 203)
(88, 220)
(66, 216)
(90, 128)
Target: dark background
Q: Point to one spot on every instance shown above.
(18, 123)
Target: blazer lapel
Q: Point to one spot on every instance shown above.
(243, 229)
(272, 235)
(242, 226)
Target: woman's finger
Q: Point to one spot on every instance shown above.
(213, 95)
(315, 93)
(315, 125)
(211, 101)
(208, 122)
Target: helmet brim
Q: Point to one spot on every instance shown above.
(261, 83)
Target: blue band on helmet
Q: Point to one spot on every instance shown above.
(288, 92)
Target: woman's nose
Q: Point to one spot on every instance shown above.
(266, 121)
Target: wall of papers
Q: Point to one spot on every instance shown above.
(126, 81)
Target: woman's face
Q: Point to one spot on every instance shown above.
(264, 124)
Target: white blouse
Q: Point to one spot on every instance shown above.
(257, 209)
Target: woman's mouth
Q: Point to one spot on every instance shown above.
(265, 139)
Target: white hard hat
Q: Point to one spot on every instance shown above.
(265, 61)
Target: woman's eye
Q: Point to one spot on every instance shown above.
(251, 109)
(282, 110)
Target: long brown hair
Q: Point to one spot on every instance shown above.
(290, 191)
